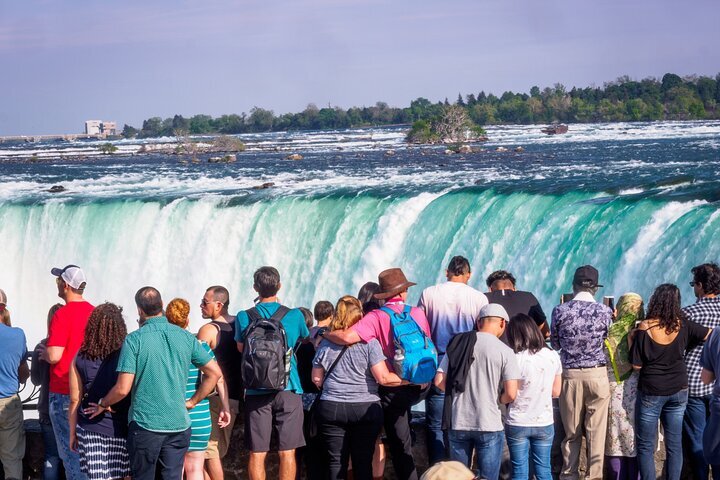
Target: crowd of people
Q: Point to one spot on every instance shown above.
(323, 388)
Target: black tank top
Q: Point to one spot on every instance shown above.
(228, 358)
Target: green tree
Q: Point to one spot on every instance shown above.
(129, 131)
(200, 124)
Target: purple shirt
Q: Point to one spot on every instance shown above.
(578, 330)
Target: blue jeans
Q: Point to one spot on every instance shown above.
(669, 409)
(696, 416)
(488, 448)
(436, 438)
(59, 405)
(51, 467)
(530, 443)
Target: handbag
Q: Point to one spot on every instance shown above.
(312, 423)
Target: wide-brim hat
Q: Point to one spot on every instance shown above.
(392, 281)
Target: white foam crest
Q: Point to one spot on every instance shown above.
(649, 236)
(385, 250)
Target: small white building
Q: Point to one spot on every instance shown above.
(93, 127)
(100, 128)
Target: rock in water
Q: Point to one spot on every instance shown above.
(501, 149)
(264, 186)
(519, 149)
(294, 156)
(56, 189)
(465, 149)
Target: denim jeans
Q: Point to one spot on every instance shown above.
(669, 409)
(711, 437)
(696, 415)
(488, 448)
(436, 437)
(530, 444)
(51, 461)
(59, 405)
(155, 454)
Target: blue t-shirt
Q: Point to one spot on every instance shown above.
(12, 353)
(295, 329)
(710, 358)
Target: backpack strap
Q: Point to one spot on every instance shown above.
(253, 315)
(280, 313)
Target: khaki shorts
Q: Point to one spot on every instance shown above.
(220, 437)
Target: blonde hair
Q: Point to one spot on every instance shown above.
(348, 312)
(631, 304)
(177, 312)
(5, 317)
(51, 314)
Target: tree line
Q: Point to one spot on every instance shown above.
(624, 100)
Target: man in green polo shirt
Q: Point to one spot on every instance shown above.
(154, 364)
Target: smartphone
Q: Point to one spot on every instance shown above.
(566, 297)
(609, 302)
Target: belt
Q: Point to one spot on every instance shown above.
(602, 365)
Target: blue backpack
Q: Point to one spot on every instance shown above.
(415, 355)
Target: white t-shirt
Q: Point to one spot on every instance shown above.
(451, 308)
(533, 405)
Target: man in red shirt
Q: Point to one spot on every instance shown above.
(67, 331)
(396, 401)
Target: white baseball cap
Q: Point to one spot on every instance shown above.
(72, 275)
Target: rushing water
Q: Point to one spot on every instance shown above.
(639, 201)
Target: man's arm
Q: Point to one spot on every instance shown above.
(53, 354)
(509, 391)
(707, 377)
(23, 371)
(343, 337)
(208, 333)
(211, 375)
(122, 389)
(440, 380)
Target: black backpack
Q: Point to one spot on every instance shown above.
(266, 355)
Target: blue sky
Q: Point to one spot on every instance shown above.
(64, 62)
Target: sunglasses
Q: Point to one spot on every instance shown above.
(204, 302)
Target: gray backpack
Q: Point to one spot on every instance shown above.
(266, 355)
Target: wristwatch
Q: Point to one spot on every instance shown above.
(99, 404)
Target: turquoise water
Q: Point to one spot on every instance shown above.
(642, 206)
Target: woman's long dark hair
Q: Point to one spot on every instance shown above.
(366, 297)
(664, 306)
(105, 332)
(524, 334)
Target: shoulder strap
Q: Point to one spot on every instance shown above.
(253, 315)
(388, 310)
(280, 313)
(332, 367)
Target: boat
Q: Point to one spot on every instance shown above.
(555, 129)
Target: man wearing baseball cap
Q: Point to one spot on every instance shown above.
(67, 330)
(478, 370)
(578, 330)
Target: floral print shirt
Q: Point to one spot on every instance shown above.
(578, 330)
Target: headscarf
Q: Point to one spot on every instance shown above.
(630, 310)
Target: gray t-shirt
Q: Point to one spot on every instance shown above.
(478, 407)
(351, 380)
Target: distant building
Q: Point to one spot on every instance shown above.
(109, 128)
(100, 128)
(93, 127)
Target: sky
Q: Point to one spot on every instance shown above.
(62, 63)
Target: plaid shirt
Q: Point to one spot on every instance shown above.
(706, 312)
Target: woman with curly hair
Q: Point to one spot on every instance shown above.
(100, 441)
(349, 414)
(177, 313)
(657, 350)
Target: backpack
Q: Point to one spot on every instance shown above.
(266, 356)
(415, 355)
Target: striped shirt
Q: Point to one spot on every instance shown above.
(200, 422)
(706, 312)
